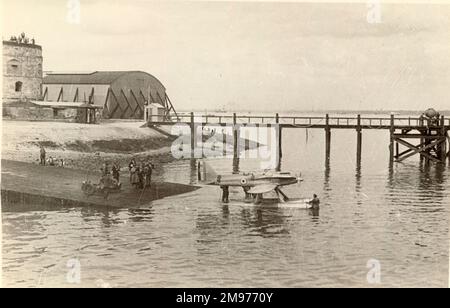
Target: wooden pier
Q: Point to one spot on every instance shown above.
(420, 135)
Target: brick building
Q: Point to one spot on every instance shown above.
(22, 70)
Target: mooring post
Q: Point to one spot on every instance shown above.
(236, 132)
(447, 137)
(422, 140)
(448, 148)
(443, 152)
(427, 141)
(192, 136)
(224, 142)
(279, 143)
(235, 136)
(391, 145)
(359, 141)
(327, 139)
(397, 147)
(201, 139)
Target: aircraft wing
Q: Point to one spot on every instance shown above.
(263, 188)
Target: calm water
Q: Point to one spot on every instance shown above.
(398, 216)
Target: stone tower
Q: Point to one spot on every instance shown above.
(22, 70)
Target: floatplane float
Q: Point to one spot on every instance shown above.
(256, 187)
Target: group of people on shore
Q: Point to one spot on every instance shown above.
(141, 173)
(50, 161)
(110, 177)
(114, 171)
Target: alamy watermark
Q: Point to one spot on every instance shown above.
(74, 273)
(374, 274)
(73, 12)
(249, 141)
(374, 11)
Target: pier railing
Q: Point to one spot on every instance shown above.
(307, 121)
(431, 133)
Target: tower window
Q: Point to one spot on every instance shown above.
(13, 67)
(19, 86)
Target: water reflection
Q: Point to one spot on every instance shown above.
(422, 185)
(225, 212)
(256, 221)
(194, 239)
(108, 217)
(141, 214)
(314, 212)
(391, 173)
(264, 222)
(326, 183)
(212, 228)
(358, 186)
(193, 172)
(358, 179)
(30, 221)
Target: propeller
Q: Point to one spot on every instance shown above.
(299, 177)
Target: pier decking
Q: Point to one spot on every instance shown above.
(432, 134)
(333, 122)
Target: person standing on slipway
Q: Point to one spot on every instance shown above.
(43, 153)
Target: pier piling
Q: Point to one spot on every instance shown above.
(192, 125)
(224, 142)
(422, 140)
(442, 149)
(236, 138)
(201, 140)
(397, 147)
(405, 131)
(392, 140)
(327, 139)
(279, 142)
(359, 141)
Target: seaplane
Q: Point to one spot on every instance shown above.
(255, 185)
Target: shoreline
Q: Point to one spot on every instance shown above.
(26, 186)
(87, 147)
(82, 146)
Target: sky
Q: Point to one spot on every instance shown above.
(267, 56)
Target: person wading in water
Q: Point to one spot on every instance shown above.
(225, 194)
(315, 202)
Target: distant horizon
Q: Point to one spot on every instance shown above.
(442, 111)
(253, 55)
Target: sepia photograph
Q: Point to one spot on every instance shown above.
(225, 150)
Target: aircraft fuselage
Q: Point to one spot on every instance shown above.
(253, 179)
